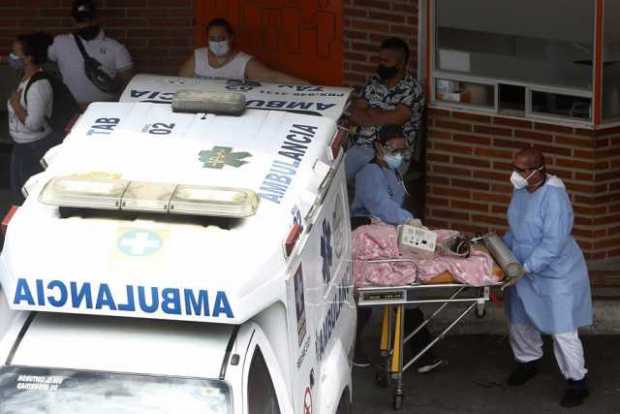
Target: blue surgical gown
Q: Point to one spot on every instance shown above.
(554, 295)
(379, 192)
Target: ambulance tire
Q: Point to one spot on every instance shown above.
(344, 405)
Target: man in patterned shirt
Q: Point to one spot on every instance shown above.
(390, 105)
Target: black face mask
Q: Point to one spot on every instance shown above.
(387, 72)
(89, 32)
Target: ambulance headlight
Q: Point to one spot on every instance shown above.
(84, 192)
(214, 201)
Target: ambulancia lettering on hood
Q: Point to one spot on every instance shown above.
(128, 300)
(326, 101)
(283, 169)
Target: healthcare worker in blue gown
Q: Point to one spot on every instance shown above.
(553, 297)
(380, 194)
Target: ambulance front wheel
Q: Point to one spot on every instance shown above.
(344, 405)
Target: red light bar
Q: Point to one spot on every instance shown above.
(291, 239)
(337, 142)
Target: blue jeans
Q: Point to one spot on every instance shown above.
(356, 158)
(26, 162)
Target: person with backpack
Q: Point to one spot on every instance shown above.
(29, 111)
(94, 66)
(39, 110)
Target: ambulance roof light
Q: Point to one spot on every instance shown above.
(117, 194)
(83, 192)
(210, 102)
(214, 201)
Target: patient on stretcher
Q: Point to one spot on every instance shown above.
(378, 261)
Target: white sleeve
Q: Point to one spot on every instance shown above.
(122, 59)
(52, 53)
(40, 101)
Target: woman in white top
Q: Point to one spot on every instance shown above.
(221, 61)
(28, 125)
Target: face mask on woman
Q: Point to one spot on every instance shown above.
(519, 182)
(393, 161)
(16, 62)
(219, 48)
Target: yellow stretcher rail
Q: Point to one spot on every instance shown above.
(393, 338)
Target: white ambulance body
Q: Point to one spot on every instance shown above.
(187, 263)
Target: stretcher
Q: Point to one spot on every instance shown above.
(394, 300)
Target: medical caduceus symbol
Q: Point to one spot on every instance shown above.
(218, 157)
(326, 251)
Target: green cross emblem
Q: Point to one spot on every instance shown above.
(218, 157)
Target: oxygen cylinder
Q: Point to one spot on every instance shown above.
(503, 256)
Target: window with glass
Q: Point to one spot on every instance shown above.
(611, 62)
(26, 390)
(527, 58)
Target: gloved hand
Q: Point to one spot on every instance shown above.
(514, 280)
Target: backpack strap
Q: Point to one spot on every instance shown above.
(80, 46)
(37, 76)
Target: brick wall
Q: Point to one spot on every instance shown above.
(366, 24)
(469, 164)
(158, 33)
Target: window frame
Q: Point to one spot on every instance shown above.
(428, 12)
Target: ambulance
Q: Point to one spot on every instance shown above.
(170, 262)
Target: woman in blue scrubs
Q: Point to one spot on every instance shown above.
(380, 194)
(553, 297)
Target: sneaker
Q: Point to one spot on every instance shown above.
(523, 373)
(429, 365)
(360, 359)
(575, 394)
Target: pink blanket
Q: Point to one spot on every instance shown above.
(376, 242)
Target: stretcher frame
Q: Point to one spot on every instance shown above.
(394, 299)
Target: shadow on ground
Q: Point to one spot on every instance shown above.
(473, 381)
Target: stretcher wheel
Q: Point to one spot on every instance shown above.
(481, 310)
(397, 402)
(381, 379)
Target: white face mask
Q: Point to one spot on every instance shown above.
(518, 181)
(393, 161)
(219, 48)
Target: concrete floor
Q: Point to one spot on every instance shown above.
(473, 381)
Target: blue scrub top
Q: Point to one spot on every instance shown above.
(379, 192)
(554, 295)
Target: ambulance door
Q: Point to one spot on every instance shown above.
(328, 289)
(302, 334)
(263, 383)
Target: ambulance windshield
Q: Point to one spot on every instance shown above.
(25, 390)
